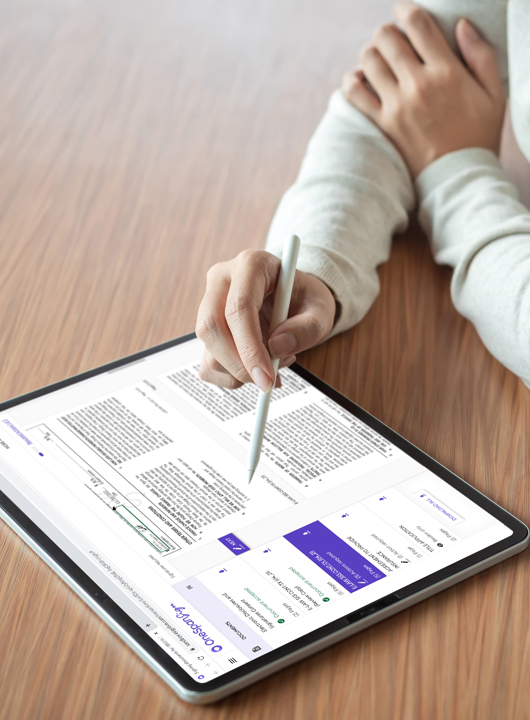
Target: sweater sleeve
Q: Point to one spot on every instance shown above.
(351, 195)
(477, 225)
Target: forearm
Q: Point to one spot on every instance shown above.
(476, 224)
(352, 194)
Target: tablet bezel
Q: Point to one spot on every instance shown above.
(185, 686)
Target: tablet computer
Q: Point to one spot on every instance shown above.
(130, 481)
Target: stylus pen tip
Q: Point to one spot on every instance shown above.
(250, 476)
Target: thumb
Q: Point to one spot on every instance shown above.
(302, 331)
(480, 57)
(297, 334)
(312, 309)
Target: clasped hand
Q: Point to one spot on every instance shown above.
(421, 95)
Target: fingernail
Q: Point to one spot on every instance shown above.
(261, 379)
(282, 345)
(470, 31)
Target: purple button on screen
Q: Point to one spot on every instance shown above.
(234, 544)
(334, 556)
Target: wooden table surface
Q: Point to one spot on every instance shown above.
(139, 144)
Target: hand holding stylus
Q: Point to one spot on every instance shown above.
(234, 318)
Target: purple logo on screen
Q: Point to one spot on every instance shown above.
(196, 628)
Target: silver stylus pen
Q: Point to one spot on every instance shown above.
(280, 309)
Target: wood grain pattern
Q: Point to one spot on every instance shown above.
(140, 143)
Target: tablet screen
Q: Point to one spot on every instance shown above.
(140, 475)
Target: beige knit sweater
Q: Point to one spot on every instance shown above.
(354, 192)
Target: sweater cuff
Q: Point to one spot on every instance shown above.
(316, 261)
(449, 166)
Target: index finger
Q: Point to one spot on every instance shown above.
(253, 279)
(211, 326)
(424, 34)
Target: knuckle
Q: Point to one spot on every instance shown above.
(258, 263)
(232, 383)
(368, 53)
(394, 111)
(204, 373)
(246, 256)
(249, 358)
(446, 74)
(314, 327)
(351, 83)
(241, 375)
(347, 80)
(237, 307)
(418, 91)
(417, 17)
(383, 32)
(252, 258)
(397, 111)
(213, 271)
(211, 363)
(378, 33)
(207, 326)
